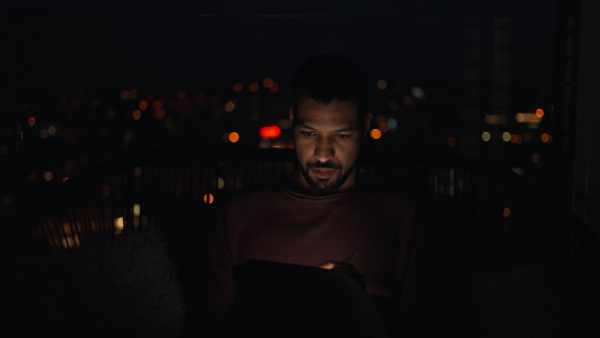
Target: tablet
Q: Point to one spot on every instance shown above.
(261, 283)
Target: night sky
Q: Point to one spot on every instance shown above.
(70, 45)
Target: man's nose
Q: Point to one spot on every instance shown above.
(324, 150)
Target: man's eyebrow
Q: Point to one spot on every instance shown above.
(305, 126)
(345, 129)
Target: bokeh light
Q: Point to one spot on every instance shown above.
(253, 87)
(375, 134)
(238, 87)
(268, 82)
(229, 106)
(209, 198)
(119, 224)
(546, 138)
(48, 176)
(486, 136)
(417, 92)
(384, 127)
(269, 132)
(451, 141)
(381, 85)
(392, 123)
(234, 137)
(274, 88)
(31, 121)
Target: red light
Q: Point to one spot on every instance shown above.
(269, 132)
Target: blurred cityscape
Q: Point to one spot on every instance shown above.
(501, 105)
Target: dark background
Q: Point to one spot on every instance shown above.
(67, 64)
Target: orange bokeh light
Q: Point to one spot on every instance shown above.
(143, 105)
(451, 141)
(268, 82)
(234, 137)
(376, 134)
(31, 121)
(238, 87)
(546, 138)
(506, 212)
(539, 112)
(274, 88)
(136, 114)
(159, 114)
(253, 87)
(209, 198)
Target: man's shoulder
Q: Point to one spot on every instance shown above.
(385, 193)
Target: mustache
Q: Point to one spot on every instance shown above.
(322, 165)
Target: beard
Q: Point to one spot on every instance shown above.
(330, 185)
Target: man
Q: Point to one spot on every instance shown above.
(323, 213)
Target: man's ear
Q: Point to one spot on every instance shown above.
(291, 116)
(367, 124)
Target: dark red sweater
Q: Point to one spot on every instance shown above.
(279, 224)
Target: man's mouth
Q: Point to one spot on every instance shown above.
(323, 174)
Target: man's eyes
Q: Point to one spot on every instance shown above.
(342, 135)
(312, 133)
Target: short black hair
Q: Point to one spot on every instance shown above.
(327, 77)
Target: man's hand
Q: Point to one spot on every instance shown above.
(333, 265)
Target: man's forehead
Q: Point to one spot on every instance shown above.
(342, 113)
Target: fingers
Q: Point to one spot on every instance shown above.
(333, 265)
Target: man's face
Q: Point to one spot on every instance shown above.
(327, 138)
